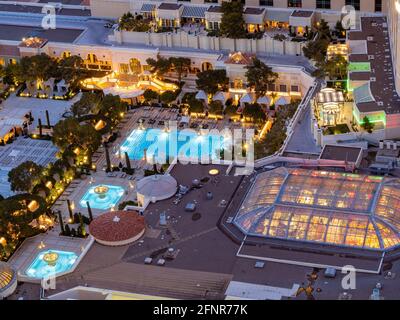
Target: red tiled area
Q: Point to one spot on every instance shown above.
(117, 226)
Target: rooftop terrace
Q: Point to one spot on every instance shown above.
(374, 30)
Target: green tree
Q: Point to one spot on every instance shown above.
(39, 67)
(159, 66)
(14, 74)
(167, 96)
(255, 112)
(259, 76)
(150, 95)
(335, 68)
(339, 30)
(112, 107)
(88, 103)
(25, 176)
(367, 125)
(73, 71)
(316, 49)
(180, 65)
(216, 108)
(232, 21)
(69, 133)
(210, 81)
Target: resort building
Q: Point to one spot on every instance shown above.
(115, 8)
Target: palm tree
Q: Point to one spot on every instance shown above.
(89, 211)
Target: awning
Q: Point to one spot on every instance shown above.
(282, 100)
(264, 100)
(201, 95)
(194, 12)
(278, 15)
(220, 96)
(246, 98)
(124, 93)
(148, 7)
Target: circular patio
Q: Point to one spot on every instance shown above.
(117, 228)
(156, 188)
(8, 280)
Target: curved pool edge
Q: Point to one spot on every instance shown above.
(22, 277)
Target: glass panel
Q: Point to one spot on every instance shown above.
(317, 228)
(389, 238)
(371, 239)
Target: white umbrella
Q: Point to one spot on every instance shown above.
(264, 100)
(282, 100)
(246, 98)
(201, 95)
(220, 96)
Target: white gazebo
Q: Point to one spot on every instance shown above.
(246, 98)
(282, 101)
(220, 96)
(264, 100)
(155, 188)
(201, 95)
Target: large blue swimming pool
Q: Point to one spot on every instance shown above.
(185, 144)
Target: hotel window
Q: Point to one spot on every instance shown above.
(210, 1)
(269, 3)
(378, 5)
(323, 4)
(354, 3)
(294, 4)
(271, 87)
(282, 88)
(294, 88)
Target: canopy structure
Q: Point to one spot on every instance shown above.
(156, 188)
(264, 100)
(322, 207)
(8, 280)
(201, 95)
(246, 98)
(282, 101)
(220, 96)
(124, 93)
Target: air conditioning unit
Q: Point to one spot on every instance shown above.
(371, 57)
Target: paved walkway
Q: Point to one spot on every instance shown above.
(302, 139)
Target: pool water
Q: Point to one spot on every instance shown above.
(102, 201)
(40, 269)
(163, 145)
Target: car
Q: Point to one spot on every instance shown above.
(108, 25)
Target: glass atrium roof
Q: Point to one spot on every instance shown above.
(335, 208)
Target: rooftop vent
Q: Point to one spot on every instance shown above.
(373, 79)
(370, 38)
(371, 57)
(380, 103)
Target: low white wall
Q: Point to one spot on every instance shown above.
(182, 39)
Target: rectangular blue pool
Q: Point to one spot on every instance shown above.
(161, 144)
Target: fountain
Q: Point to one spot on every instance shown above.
(101, 191)
(50, 258)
